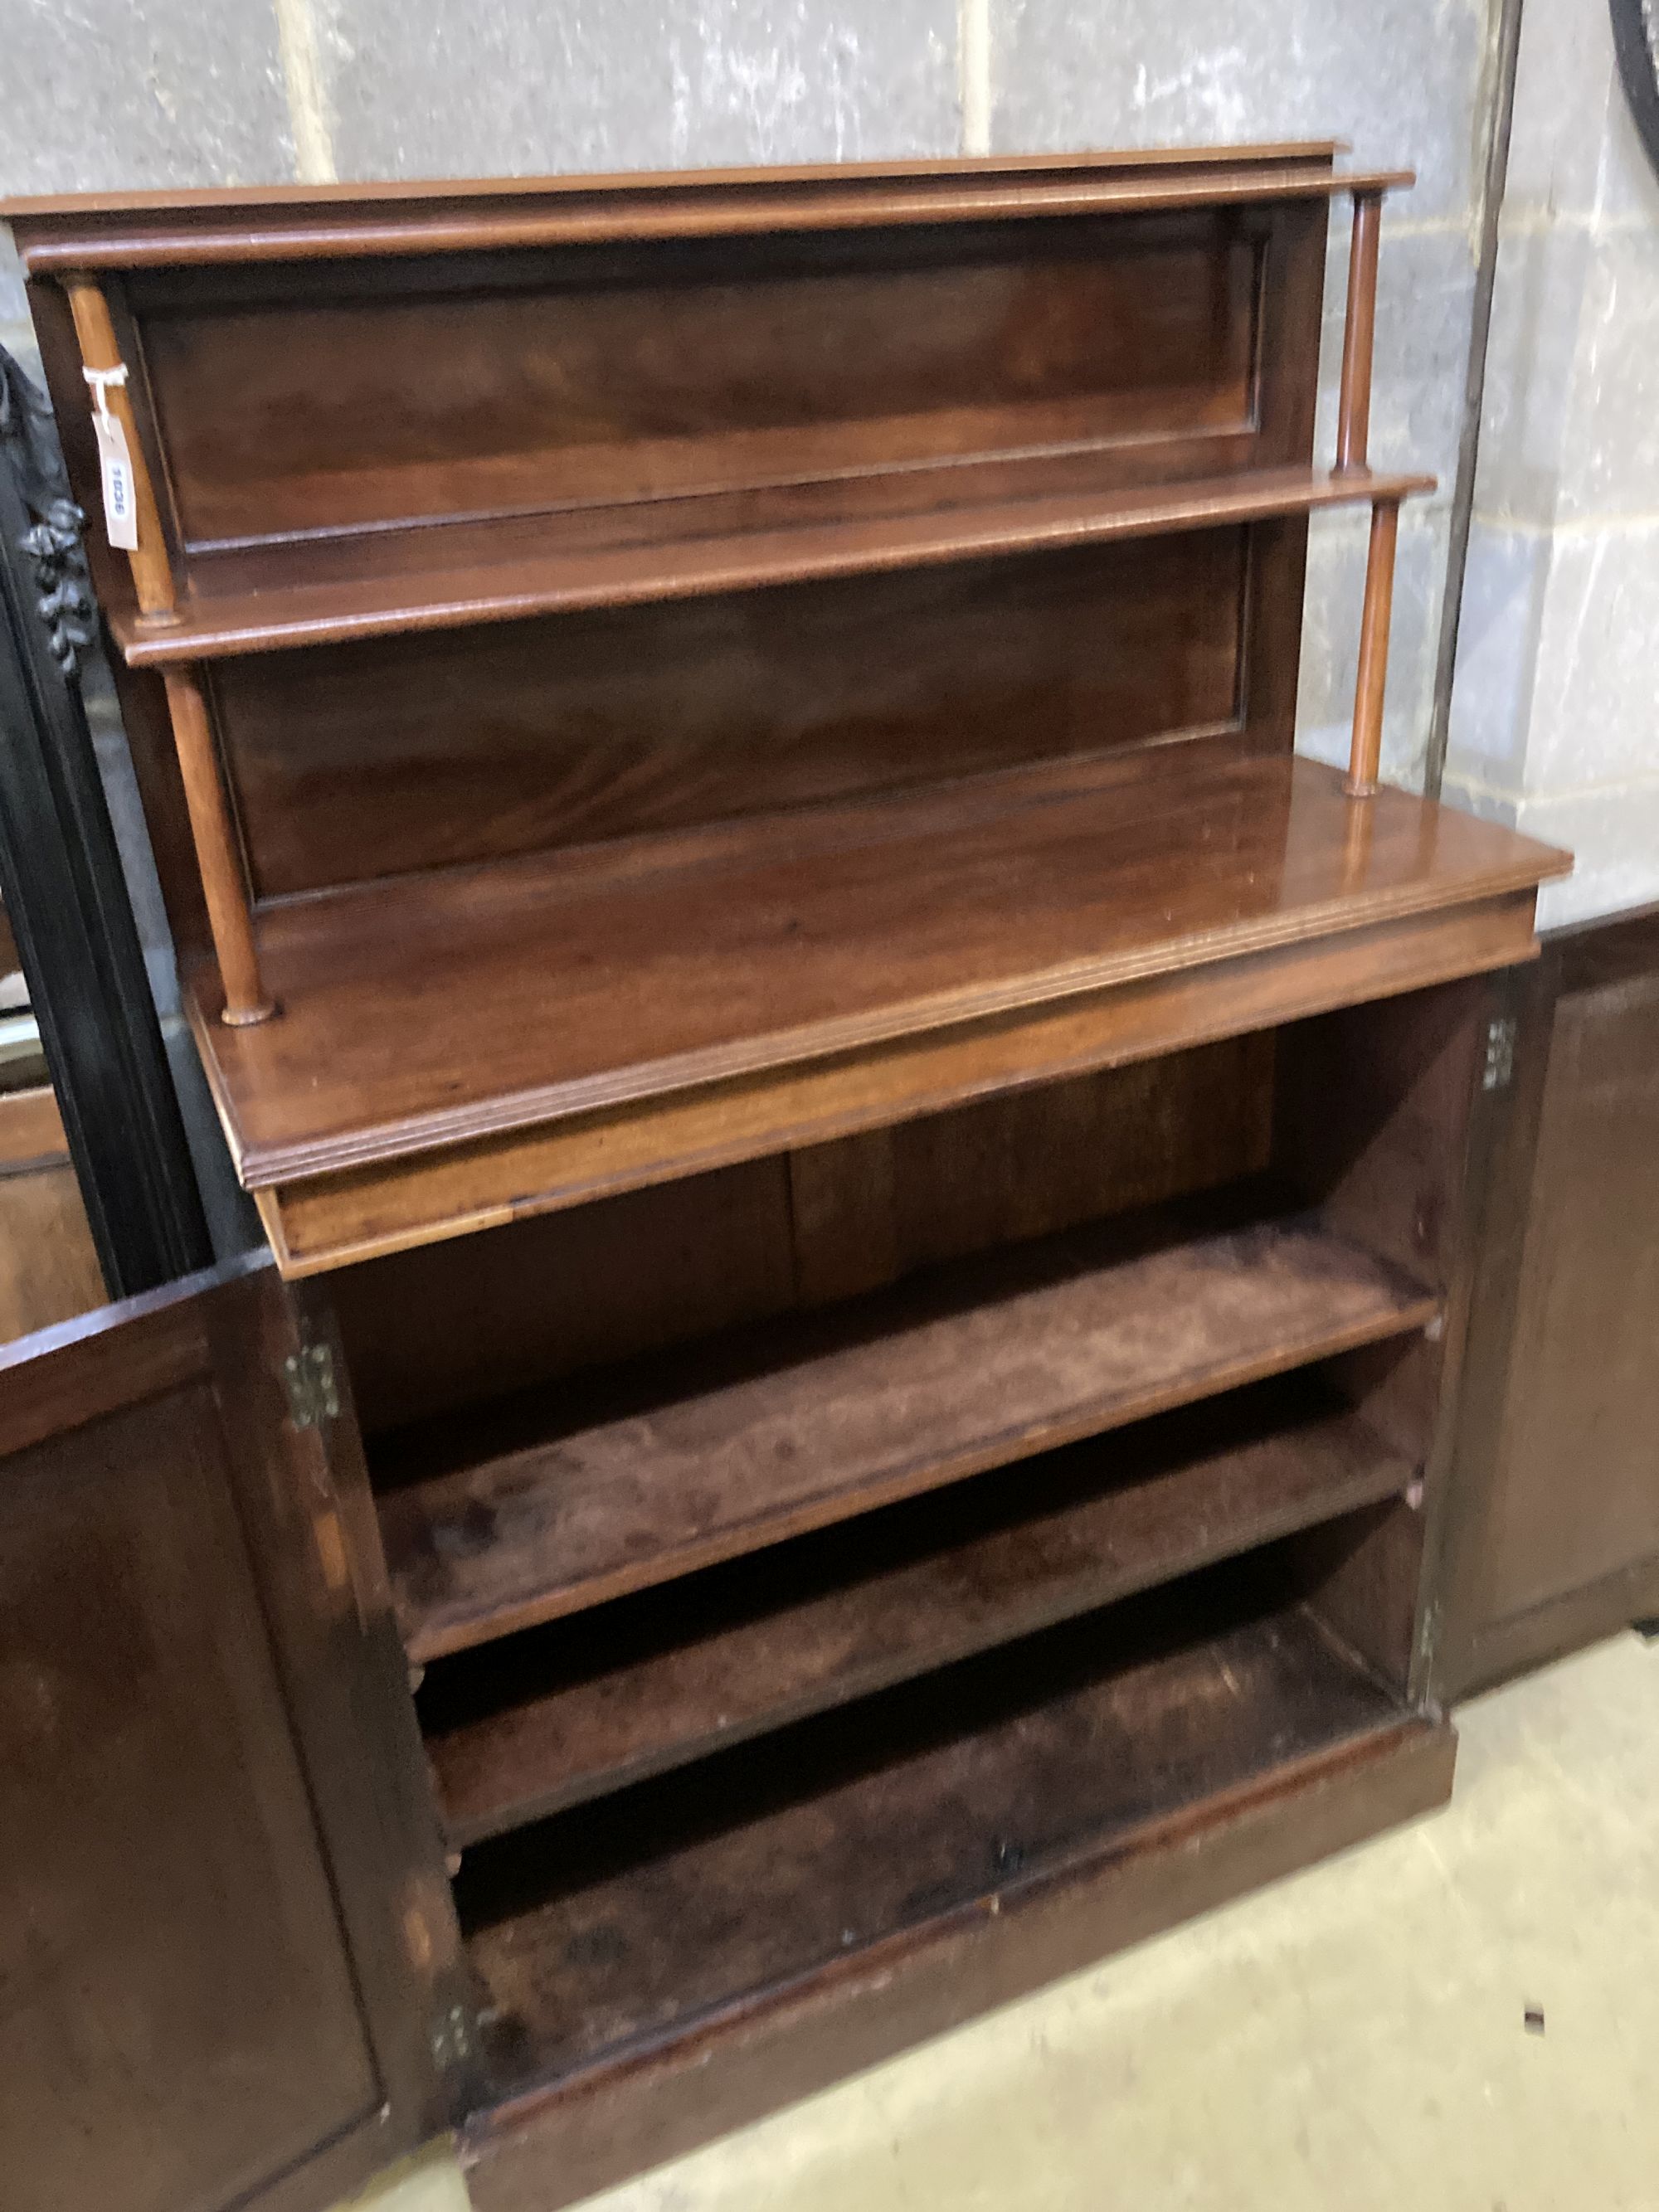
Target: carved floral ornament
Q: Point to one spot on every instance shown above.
(52, 543)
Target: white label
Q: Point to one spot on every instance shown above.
(120, 506)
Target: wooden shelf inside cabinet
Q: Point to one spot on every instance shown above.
(452, 575)
(1060, 1760)
(527, 1728)
(561, 1501)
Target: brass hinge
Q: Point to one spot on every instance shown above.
(313, 1396)
(1500, 1053)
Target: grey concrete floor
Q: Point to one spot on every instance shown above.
(1353, 2039)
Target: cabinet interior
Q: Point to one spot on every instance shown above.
(694, 1499)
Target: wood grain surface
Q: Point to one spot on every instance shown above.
(483, 590)
(354, 763)
(655, 378)
(549, 1720)
(561, 2141)
(208, 1997)
(1558, 1534)
(763, 1869)
(496, 1522)
(334, 1220)
(434, 1009)
(173, 230)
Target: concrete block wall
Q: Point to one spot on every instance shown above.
(1555, 709)
(129, 93)
(1403, 82)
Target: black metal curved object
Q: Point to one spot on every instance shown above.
(53, 541)
(65, 894)
(1635, 43)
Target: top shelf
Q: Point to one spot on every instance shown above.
(131, 231)
(559, 580)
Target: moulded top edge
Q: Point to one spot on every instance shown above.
(207, 230)
(313, 1094)
(409, 191)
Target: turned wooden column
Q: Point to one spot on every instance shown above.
(1359, 335)
(1364, 760)
(152, 573)
(218, 855)
(247, 1000)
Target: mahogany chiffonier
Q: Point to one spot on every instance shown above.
(867, 1176)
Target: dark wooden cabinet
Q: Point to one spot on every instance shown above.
(1558, 1533)
(872, 1175)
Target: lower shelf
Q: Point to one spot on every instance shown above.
(686, 1905)
(501, 1519)
(550, 1719)
(547, 2149)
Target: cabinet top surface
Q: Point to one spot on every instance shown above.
(428, 1011)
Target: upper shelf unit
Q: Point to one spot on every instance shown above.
(519, 846)
(491, 403)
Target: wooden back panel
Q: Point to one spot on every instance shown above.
(444, 1325)
(356, 761)
(608, 376)
(653, 390)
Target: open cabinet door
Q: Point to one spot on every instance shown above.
(1556, 1541)
(223, 1943)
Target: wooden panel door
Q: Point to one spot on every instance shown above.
(1557, 1541)
(223, 1947)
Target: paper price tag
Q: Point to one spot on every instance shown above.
(115, 464)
